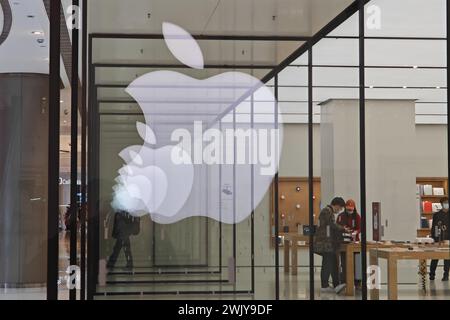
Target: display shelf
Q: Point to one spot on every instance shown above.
(293, 204)
(433, 197)
(436, 182)
(423, 232)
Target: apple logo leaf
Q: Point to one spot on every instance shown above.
(182, 45)
(146, 133)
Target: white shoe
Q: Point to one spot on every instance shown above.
(339, 288)
(327, 290)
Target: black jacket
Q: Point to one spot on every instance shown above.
(125, 225)
(328, 234)
(440, 220)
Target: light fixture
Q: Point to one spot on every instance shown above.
(37, 33)
(438, 87)
(61, 101)
(415, 67)
(405, 87)
(371, 87)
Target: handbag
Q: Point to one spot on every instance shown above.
(135, 225)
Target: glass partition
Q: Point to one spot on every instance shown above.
(24, 149)
(407, 165)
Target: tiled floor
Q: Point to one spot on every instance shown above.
(147, 283)
(291, 288)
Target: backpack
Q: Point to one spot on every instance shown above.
(134, 223)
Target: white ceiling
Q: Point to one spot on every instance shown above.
(198, 17)
(208, 17)
(21, 52)
(225, 17)
(399, 18)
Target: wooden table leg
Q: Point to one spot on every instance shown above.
(286, 256)
(294, 257)
(374, 291)
(392, 279)
(349, 272)
(423, 274)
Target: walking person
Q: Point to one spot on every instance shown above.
(124, 226)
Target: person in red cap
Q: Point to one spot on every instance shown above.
(352, 220)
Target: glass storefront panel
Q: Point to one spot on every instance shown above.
(24, 127)
(407, 165)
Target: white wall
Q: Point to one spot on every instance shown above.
(431, 150)
(390, 160)
(390, 163)
(429, 160)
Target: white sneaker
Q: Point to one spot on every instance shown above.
(339, 288)
(327, 290)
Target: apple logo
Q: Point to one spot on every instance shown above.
(211, 157)
(149, 176)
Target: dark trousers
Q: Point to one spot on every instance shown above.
(343, 269)
(125, 244)
(329, 268)
(434, 264)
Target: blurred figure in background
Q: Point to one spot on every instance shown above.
(124, 226)
(439, 232)
(352, 220)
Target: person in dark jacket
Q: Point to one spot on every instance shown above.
(440, 232)
(352, 220)
(122, 230)
(326, 243)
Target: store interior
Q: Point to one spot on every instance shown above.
(201, 257)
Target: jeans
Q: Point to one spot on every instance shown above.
(329, 268)
(434, 264)
(125, 244)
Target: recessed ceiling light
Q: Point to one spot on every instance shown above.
(61, 101)
(405, 87)
(371, 87)
(37, 33)
(438, 87)
(65, 121)
(415, 67)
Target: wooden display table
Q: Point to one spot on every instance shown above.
(290, 250)
(392, 255)
(355, 247)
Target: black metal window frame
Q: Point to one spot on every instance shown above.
(90, 186)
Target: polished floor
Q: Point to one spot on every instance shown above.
(209, 284)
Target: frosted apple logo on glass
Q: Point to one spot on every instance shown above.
(143, 184)
(195, 160)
